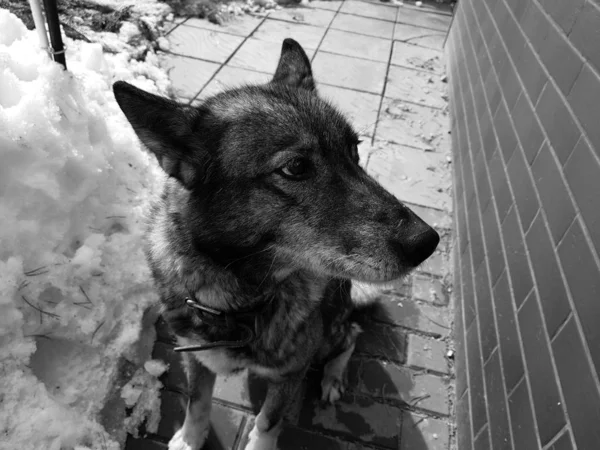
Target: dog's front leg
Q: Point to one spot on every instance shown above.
(197, 416)
(269, 421)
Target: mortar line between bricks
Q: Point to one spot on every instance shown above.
(517, 384)
(468, 161)
(561, 326)
(501, 236)
(177, 25)
(584, 135)
(226, 61)
(485, 427)
(556, 437)
(593, 251)
(509, 278)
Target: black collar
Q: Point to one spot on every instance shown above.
(245, 320)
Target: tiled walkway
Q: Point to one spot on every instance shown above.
(383, 66)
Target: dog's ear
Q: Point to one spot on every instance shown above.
(294, 66)
(166, 128)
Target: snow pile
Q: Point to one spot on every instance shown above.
(73, 280)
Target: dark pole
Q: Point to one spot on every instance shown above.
(58, 49)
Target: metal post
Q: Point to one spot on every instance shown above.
(58, 49)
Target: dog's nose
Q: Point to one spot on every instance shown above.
(418, 240)
(420, 246)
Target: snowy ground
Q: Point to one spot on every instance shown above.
(74, 286)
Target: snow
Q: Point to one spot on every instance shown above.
(74, 284)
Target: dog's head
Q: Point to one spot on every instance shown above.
(273, 170)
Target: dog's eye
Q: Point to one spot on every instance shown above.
(296, 169)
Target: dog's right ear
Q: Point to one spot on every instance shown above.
(294, 66)
(166, 128)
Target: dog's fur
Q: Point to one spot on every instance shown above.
(266, 209)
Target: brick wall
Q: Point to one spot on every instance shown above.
(524, 79)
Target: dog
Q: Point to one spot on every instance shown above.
(265, 220)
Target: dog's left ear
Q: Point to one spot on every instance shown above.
(167, 129)
(294, 67)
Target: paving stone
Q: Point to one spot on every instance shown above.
(333, 5)
(363, 25)
(352, 73)
(414, 125)
(430, 290)
(412, 175)
(233, 389)
(143, 444)
(416, 57)
(427, 353)
(436, 264)
(423, 433)
(389, 381)
(382, 341)
(226, 425)
(187, 75)
(416, 87)
(204, 44)
(415, 315)
(435, 218)
(360, 107)
(293, 438)
(243, 26)
(307, 36)
(261, 56)
(231, 77)
(419, 36)
(357, 45)
(373, 10)
(354, 416)
(440, 22)
(309, 16)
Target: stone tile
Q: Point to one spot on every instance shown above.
(436, 264)
(416, 87)
(437, 219)
(419, 36)
(293, 438)
(430, 290)
(389, 381)
(363, 25)
(373, 10)
(414, 125)
(440, 22)
(382, 341)
(360, 107)
(226, 424)
(412, 175)
(307, 36)
(240, 26)
(415, 315)
(204, 44)
(188, 76)
(309, 16)
(261, 56)
(351, 73)
(333, 5)
(231, 77)
(233, 389)
(416, 57)
(356, 417)
(357, 45)
(426, 433)
(427, 353)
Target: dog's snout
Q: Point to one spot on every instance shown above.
(418, 243)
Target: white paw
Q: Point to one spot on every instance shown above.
(186, 440)
(332, 388)
(261, 441)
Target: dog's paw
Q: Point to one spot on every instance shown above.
(186, 440)
(261, 441)
(332, 388)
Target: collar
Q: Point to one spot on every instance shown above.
(246, 321)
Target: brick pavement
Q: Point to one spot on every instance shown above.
(382, 64)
